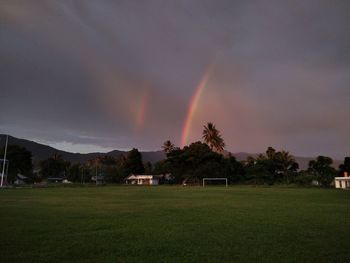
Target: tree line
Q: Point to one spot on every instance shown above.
(208, 159)
(189, 165)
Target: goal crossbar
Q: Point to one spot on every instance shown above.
(215, 179)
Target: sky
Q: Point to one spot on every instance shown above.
(89, 75)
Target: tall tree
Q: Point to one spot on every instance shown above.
(213, 138)
(270, 153)
(53, 166)
(234, 168)
(168, 146)
(105, 166)
(272, 166)
(286, 164)
(323, 170)
(196, 161)
(20, 161)
(132, 164)
(74, 173)
(345, 167)
(148, 168)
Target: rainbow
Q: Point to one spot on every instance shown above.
(193, 106)
(141, 110)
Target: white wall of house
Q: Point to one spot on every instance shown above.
(342, 182)
(142, 180)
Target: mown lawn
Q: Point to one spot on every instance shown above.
(174, 224)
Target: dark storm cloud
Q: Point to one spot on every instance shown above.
(79, 72)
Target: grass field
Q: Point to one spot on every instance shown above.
(174, 224)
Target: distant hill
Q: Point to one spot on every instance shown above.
(41, 152)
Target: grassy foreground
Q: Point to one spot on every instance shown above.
(174, 224)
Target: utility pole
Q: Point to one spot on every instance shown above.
(96, 174)
(81, 177)
(3, 165)
(7, 171)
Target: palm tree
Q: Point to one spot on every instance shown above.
(213, 138)
(270, 153)
(287, 159)
(287, 163)
(168, 146)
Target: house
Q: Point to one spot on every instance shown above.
(100, 179)
(55, 179)
(342, 182)
(143, 179)
(21, 179)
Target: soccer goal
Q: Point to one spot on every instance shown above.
(215, 179)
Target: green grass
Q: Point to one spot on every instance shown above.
(174, 224)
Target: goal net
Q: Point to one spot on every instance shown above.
(215, 181)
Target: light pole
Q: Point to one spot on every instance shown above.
(3, 165)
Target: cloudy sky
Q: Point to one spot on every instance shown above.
(99, 75)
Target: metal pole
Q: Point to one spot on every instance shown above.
(3, 166)
(7, 171)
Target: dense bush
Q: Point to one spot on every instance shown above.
(198, 161)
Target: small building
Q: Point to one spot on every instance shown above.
(65, 181)
(342, 182)
(21, 180)
(142, 179)
(100, 179)
(55, 179)
(315, 183)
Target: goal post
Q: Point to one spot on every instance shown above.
(215, 179)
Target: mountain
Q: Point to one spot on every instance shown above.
(41, 152)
